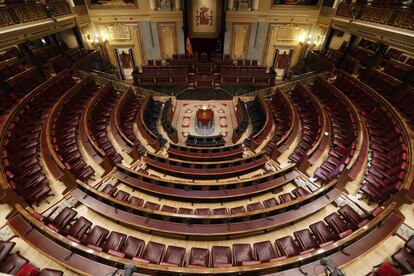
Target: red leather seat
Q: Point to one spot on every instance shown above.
(78, 229)
(12, 264)
(136, 201)
(199, 257)
(243, 254)
(202, 211)
(254, 206)
(237, 210)
(61, 220)
(109, 189)
(221, 256)
(185, 211)
(287, 246)
(169, 209)
(132, 247)
(271, 202)
(338, 225)
(5, 249)
(114, 241)
(152, 205)
(264, 252)
(404, 260)
(152, 253)
(305, 240)
(95, 237)
(352, 217)
(174, 256)
(322, 233)
(220, 211)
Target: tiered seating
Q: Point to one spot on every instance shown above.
(18, 86)
(344, 128)
(65, 119)
(250, 209)
(122, 122)
(404, 258)
(46, 53)
(397, 69)
(147, 116)
(388, 165)
(21, 140)
(16, 264)
(99, 120)
(185, 190)
(349, 64)
(60, 63)
(246, 75)
(11, 68)
(389, 87)
(310, 120)
(81, 234)
(205, 154)
(166, 118)
(284, 118)
(262, 122)
(205, 141)
(205, 170)
(242, 120)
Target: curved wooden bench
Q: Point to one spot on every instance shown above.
(264, 132)
(205, 191)
(193, 226)
(132, 148)
(344, 250)
(88, 143)
(151, 138)
(205, 170)
(205, 154)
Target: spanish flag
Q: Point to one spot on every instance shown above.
(188, 47)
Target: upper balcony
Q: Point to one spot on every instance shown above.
(18, 12)
(385, 12)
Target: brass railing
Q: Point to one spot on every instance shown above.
(23, 13)
(392, 16)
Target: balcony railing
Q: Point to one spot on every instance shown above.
(392, 16)
(23, 13)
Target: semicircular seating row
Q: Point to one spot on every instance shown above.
(61, 116)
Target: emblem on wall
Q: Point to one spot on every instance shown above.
(204, 16)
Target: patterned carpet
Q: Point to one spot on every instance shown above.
(185, 118)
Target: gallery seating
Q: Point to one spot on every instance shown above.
(98, 239)
(16, 264)
(390, 88)
(148, 113)
(98, 120)
(202, 141)
(122, 120)
(205, 154)
(344, 127)
(204, 170)
(388, 165)
(242, 120)
(63, 125)
(283, 117)
(22, 139)
(166, 118)
(404, 258)
(310, 120)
